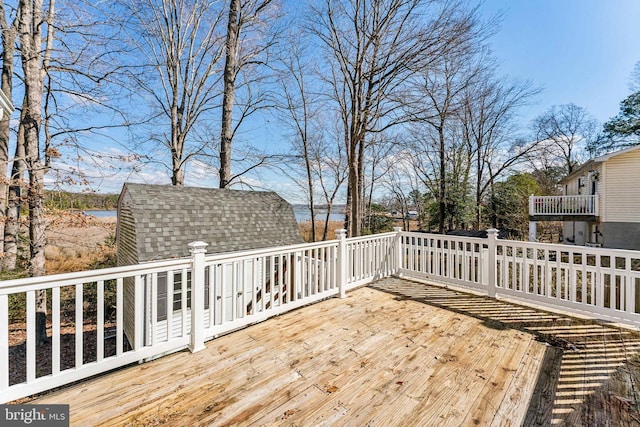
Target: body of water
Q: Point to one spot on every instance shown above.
(101, 214)
(302, 214)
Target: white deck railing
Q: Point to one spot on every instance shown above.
(564, 205)
(211, 295)
(130, 316)
(600, 283)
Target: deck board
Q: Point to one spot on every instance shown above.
(396, 353)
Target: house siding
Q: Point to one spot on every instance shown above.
(622, 188)
(572, 184)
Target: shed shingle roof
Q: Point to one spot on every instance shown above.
(167, 218)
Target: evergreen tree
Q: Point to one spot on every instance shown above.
(627, 122)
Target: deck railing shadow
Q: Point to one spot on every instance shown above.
(44, 362)
(587, 376)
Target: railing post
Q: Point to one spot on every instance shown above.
(398, 250)
(140, 314)
(343, 260)
(492, 236)
(198, 251)
(533, 233)
(532, 210)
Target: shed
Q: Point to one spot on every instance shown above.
(158, 222)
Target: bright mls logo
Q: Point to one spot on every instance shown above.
(34, 415)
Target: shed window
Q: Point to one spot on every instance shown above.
(177, 292)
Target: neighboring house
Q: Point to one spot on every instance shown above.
(600, 205)
(411, 215)
(157, 222)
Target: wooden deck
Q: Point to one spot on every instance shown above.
(394, 353)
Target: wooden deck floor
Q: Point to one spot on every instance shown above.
(395, 353)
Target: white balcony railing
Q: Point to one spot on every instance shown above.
(216, 294)
(564, 205)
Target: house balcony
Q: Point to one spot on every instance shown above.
(398, 328)
(564, 208)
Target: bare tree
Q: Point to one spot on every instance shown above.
(440, 101)
(330, 166)
(180, 45)
(489, 108)
(76, 68)
(298, 107)
(398, 193)
(249, 39)
(378, 150)
(403, 185)
(564, 130)
(372, 47)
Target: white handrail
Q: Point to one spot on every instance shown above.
(597, 282)
(564, 205)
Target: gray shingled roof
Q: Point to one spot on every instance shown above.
(162, 220)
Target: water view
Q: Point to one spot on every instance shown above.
(101, 213)
(302, 214)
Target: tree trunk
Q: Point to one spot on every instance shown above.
(325, 229)
(14, 201)
(478, 191)
(443, 184)
(30, 27)
(354, 195)
(177, 175)
(8, 46)
(228, 96)
(361, 197)
(37, 223)
(12, 209)
(312, 208)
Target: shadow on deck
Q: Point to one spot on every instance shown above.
(396, 353)
(590, 374)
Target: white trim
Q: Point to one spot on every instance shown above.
(608, 156)
(5, 104)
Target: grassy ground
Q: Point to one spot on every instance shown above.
(305, 230)
(76, 242)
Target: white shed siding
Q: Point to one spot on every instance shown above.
(622, 188)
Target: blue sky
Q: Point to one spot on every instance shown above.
(580, 51)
